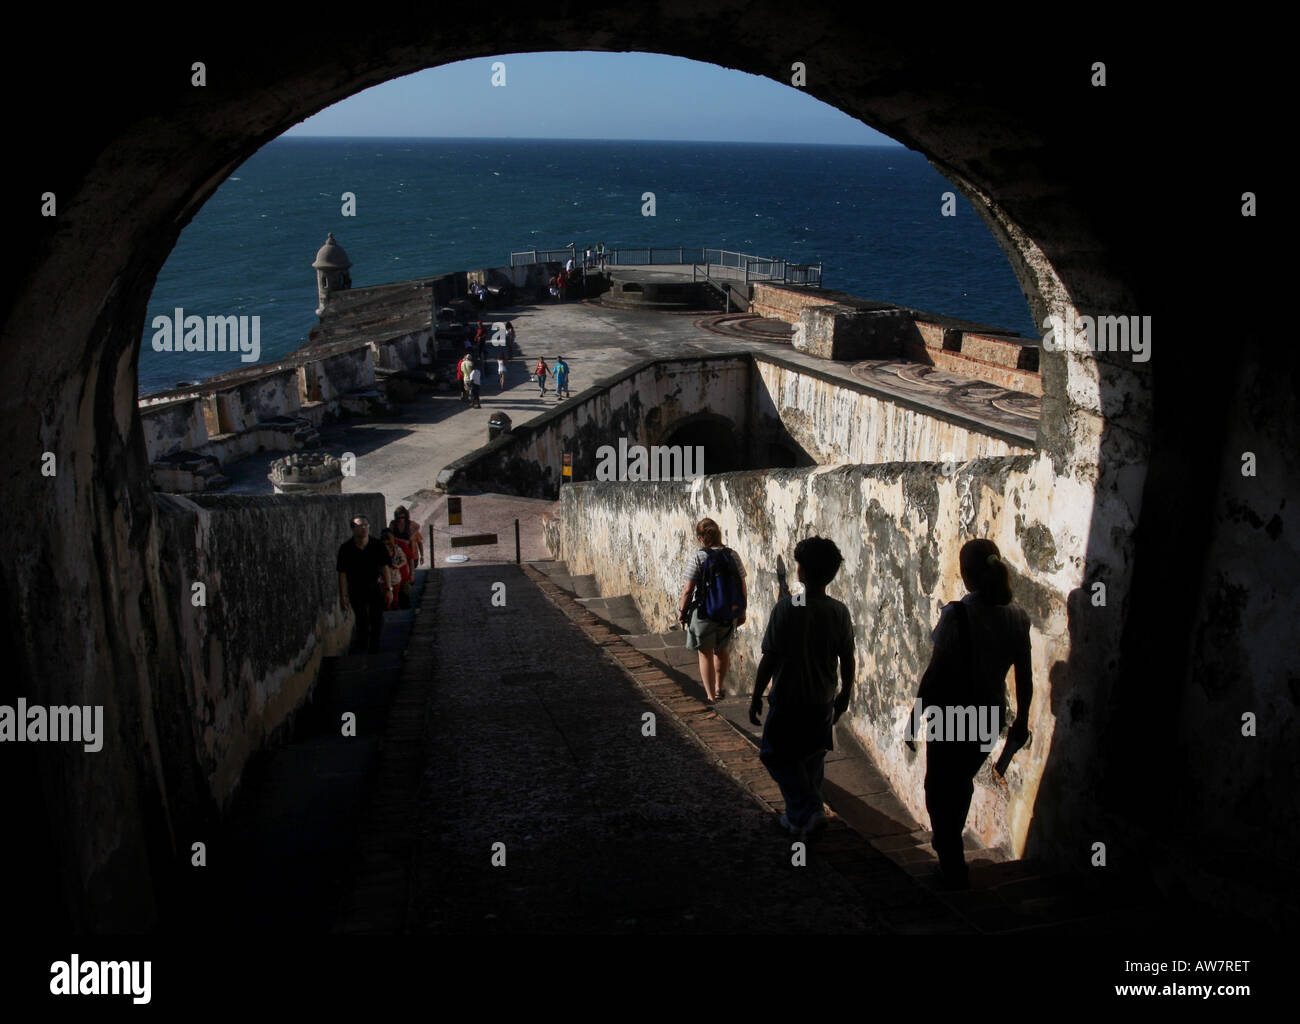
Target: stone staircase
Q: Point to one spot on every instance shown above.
(1005, 895)
(301, 831)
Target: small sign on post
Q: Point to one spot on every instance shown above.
(472, 539)
(568, 465)
(453, 511)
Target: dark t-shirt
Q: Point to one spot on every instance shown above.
(808, 643)
(362, 565)
(999, 635)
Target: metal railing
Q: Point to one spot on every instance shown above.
(751, 268)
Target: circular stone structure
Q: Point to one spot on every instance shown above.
(646, 289)
(749, 326)
(307, 473)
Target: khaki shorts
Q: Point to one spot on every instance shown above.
(706, 635)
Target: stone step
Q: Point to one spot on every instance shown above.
(576, 586)
(551, 566)
(620, 613)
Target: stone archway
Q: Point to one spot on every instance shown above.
(717, 437)
(130, 166)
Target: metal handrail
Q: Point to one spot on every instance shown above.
(756, 268)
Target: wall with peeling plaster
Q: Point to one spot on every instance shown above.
(251, 655)
(644, 403)
(899, 527)
(759, 402)
(836, 421)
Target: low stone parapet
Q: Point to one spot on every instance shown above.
(251, 651)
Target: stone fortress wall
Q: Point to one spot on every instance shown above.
(230, 707)
(899, 526)
(250, 654)
(191, 432)
(755, 402)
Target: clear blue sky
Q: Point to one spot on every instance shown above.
(591, 96)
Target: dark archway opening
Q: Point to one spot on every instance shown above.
(81, 604)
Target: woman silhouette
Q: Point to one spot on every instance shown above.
(976, 640)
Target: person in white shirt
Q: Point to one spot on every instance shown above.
(501, 372)
(475, 379)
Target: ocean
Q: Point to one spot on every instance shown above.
(870, 215)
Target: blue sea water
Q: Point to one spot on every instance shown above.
(871, 215)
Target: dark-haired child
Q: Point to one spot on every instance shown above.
(807, 635)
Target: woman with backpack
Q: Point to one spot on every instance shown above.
(712, 605)
(976, 641)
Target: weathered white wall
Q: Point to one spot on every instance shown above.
(250, 656)
(899, 527)
(838, 423)
(642, 404)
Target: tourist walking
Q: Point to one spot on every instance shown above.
(712, 605)
(540, 371)
(501, 373)
(475, 381)
(600, 254)
(363, 567)
(466, 371)
(398, 594)
(806, 636)
(976, 640)
(408, 535)
(510, 340)
(562, 283)
(561, 378)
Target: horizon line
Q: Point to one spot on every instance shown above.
(547, 138)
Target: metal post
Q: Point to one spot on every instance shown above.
(431, 561)
(516, 542)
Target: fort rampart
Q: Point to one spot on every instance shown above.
(250, 653)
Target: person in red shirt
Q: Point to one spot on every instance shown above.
(398, 595)
(562, 282)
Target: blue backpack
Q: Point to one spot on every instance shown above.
(723, 599)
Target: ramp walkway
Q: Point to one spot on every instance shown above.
(504, 779)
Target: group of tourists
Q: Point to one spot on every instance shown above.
(561, 371)
(376, 575)
(808, 659)
(469, 371)
(476, 345)
(557, 286)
